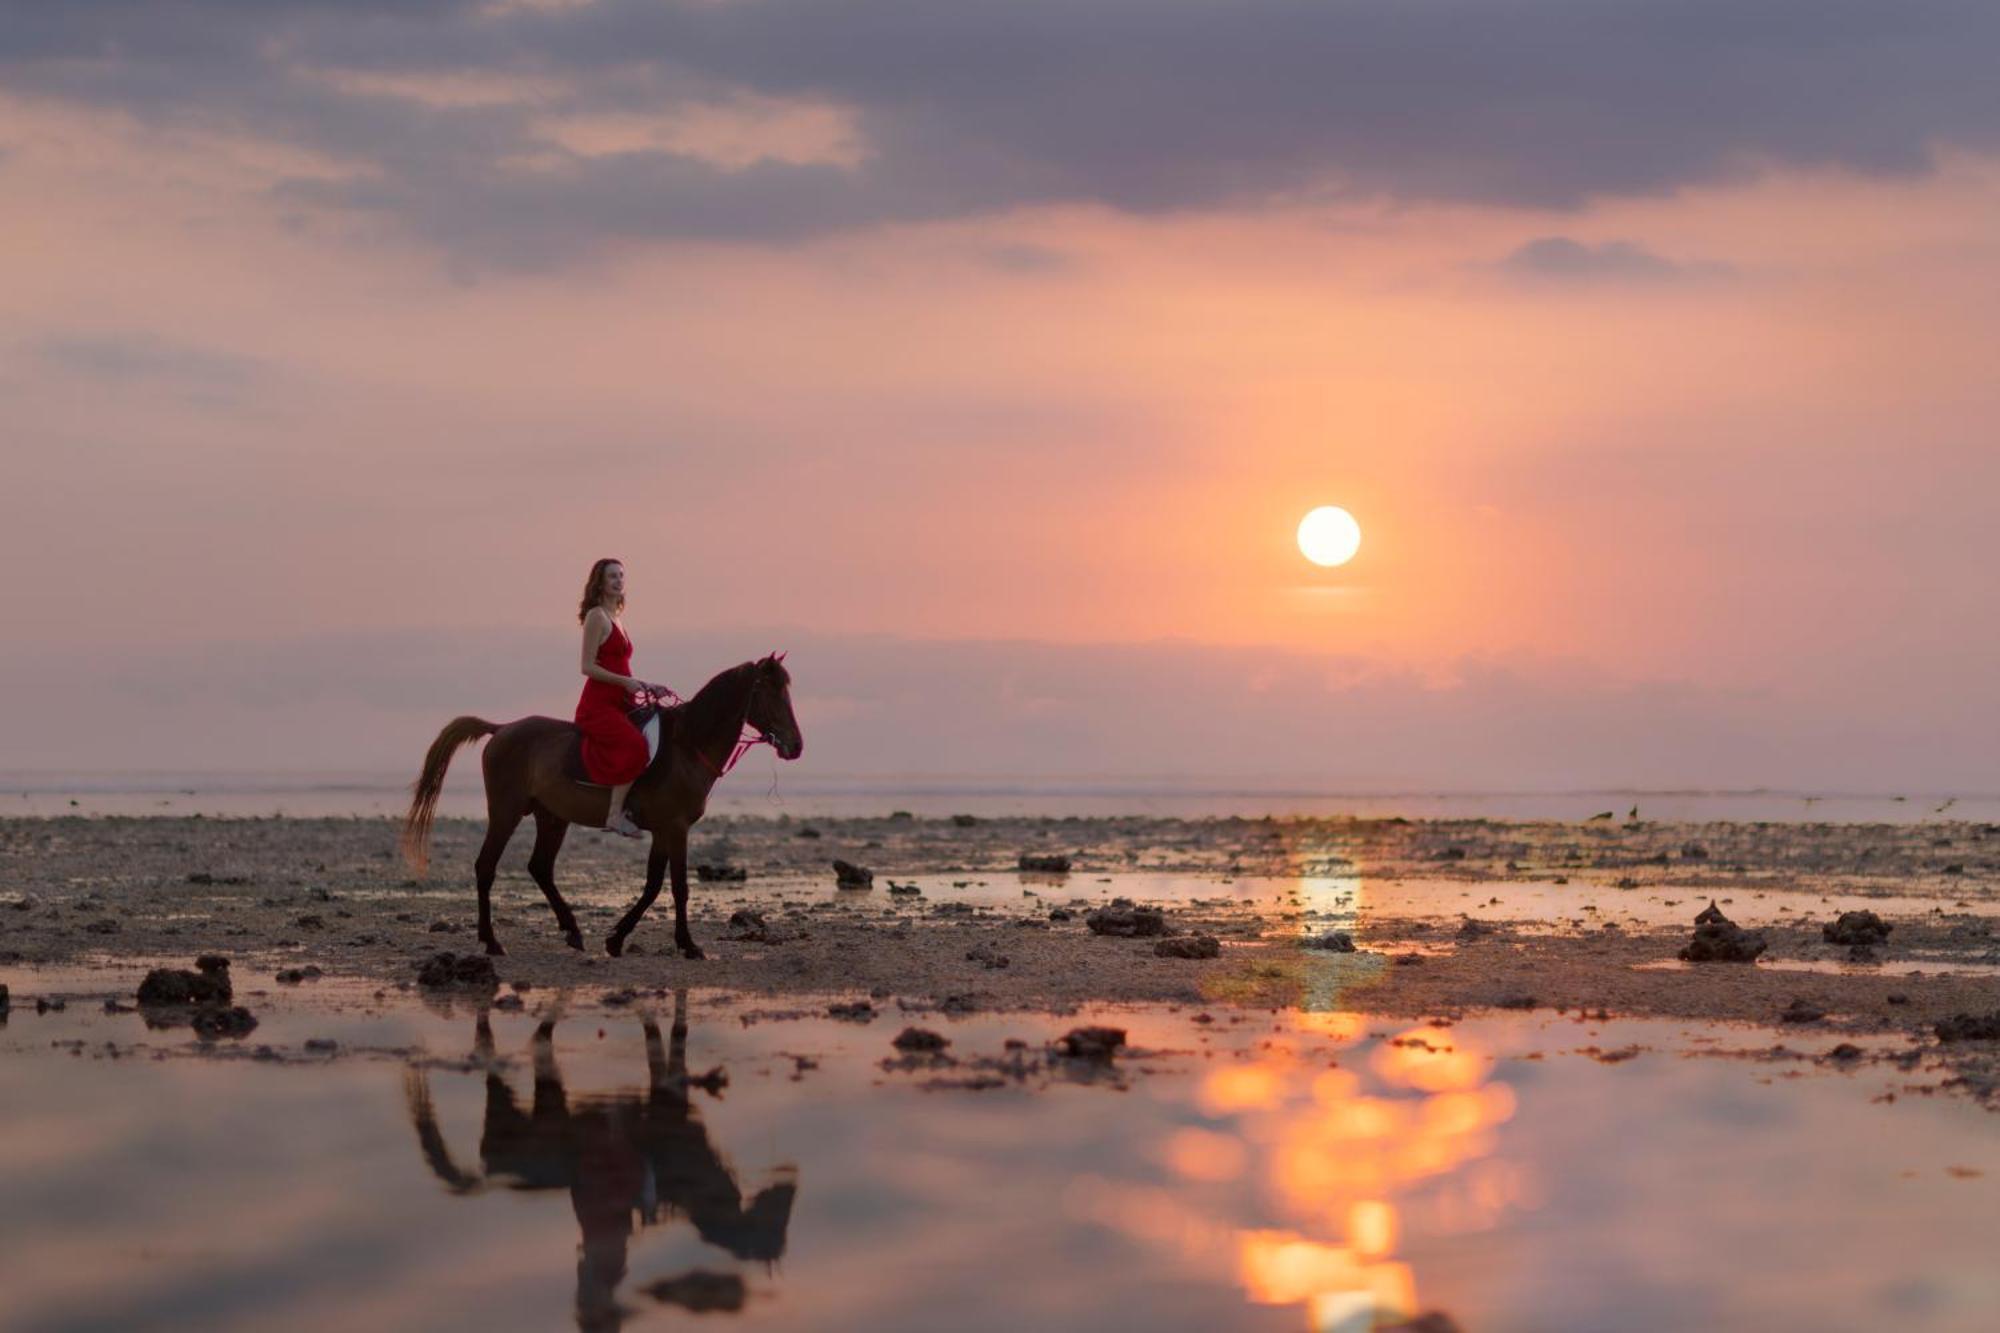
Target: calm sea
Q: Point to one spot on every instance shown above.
(760, 787)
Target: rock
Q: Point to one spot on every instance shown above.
(1844, 1053)
(322, 1045)
(1694, 851)
(1189, 946)
(700, 1291)
(1124, 919)
(217, 1020)
(905, 891)
(292, 976)
(442, 928)
(1053, 863)
(310, 921)
(920, 1041)
(964, 821)
(1969, 1027)
(847, 875)
(1472, 930)
(987, 958)
(6, 1001)
(1516, 1001)
(1862, 953)
(857, 1011)
(720, 872)
(749, 925)
(207, 984)
(1061, 914)
(1091, 1043)
(1434, 1321)
(1717, 939)
(1333, 941)
(106, 926)
(1801, 1010)
(467, 971)
(807, 831)
(1857, 928)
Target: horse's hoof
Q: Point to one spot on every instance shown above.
(614, 946)
(494, 949)
(692, 951)
(574, 940)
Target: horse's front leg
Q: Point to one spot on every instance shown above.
(682, 937)
(656, 874)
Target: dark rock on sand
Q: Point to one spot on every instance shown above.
(1472, 930)
(6, 1001)
(699, 1290)
(904, 891)
(1801, 1010)
(468, 971)
(1717, 939)
(1091, 1043)
(920, 1041)
(1333, 941)
(848, 875)
(207, 984)
(1970, 1027)
(1857, 928)
(749, 926)
(1061, 914)
(1054, 863)
(217, 1020)
(1189, 946)
(964, 821)
(1844, 1053)
(710, 872)
(292, 976)
(859, 1011)
(1125, 919)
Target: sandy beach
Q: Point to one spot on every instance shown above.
(1445, 918)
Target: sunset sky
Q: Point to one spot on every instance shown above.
(986, 354)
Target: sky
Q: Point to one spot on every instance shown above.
(985, 357)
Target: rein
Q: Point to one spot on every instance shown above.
(661, 694)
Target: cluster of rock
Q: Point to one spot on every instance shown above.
(448, 971)
(1717, 939)
(201, 998)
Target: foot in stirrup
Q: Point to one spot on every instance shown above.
(623, 824)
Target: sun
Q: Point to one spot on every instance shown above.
(1329, 536)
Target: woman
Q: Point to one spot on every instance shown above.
(614, 751)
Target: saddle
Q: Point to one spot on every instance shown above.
(654, 721)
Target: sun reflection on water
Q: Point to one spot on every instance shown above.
(1342, 1159)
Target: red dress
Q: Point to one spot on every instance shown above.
(614, 751)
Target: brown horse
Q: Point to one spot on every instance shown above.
(529, 765)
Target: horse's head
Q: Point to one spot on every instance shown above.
(771, 706)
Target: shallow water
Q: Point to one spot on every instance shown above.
(1326, 1172)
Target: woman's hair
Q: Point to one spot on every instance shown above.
(593, 588)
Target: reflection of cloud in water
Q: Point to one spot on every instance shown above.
(1346, 1157)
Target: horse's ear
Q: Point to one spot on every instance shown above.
(777, 657)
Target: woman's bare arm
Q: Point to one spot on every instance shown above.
(596, 629)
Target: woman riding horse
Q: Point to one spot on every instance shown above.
(614, 751)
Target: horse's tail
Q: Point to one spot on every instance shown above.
(424, 795)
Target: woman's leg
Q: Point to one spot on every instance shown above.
(617, 817)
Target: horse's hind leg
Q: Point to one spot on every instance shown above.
(500, 826)
(549, 831)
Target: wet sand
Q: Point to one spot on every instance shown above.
(1568, 916)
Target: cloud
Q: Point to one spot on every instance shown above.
(1561, 259)
(139, 357)
(984, 106)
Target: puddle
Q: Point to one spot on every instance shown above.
(447, 1170)
(1904, 967)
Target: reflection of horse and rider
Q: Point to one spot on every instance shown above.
(636, 1154)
